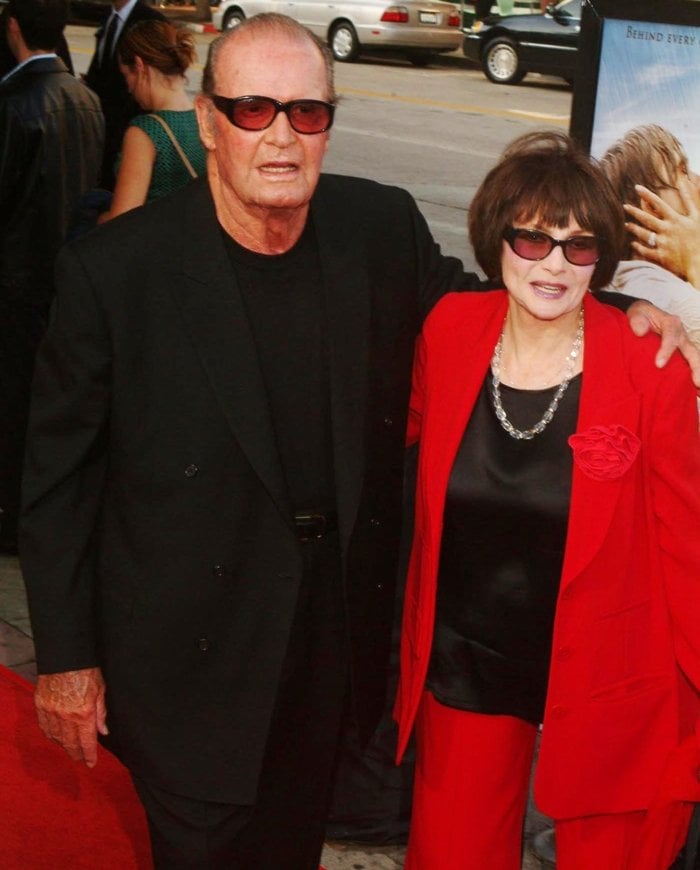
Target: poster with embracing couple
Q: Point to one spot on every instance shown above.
(635, 107)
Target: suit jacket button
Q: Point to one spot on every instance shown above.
(375, 523)
(564, 653)
(388, 422)
(380, 587)
(218, 570)
(559, 711)
(203, 644)
(191, 470)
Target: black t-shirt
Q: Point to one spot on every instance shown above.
(283, 296)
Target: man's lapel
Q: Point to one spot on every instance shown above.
(347, 296)
(208, 295)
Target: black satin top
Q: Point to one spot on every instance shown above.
(505, 522)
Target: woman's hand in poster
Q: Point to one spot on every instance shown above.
(666, 236)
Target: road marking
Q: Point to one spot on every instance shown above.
(456, 148)
(464, 108)
(541, 116)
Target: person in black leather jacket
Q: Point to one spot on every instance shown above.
(51, 138)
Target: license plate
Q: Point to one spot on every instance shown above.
(428, 17)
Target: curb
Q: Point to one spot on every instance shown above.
(455, 58)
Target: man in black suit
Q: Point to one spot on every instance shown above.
(51, 132)
(213, 484)
(106, 80)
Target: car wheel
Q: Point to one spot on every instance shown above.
(233, 18)
(420, 58)
(501, 63)
(344, 43)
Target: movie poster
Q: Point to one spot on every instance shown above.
(636, 107)
(649, 73)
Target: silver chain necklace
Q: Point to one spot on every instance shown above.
(569, 365)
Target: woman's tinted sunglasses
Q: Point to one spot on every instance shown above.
(536, 245)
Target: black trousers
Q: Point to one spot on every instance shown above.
(285, 828)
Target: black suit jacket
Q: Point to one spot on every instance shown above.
(157, 538)
(106, 80)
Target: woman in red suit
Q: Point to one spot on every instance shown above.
(555, 571)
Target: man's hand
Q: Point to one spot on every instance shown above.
(645, 317)
(71, 710)
(674, 236)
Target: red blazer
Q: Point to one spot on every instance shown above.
(626, 643)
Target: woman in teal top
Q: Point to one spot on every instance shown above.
(169, 171)
(161, 149)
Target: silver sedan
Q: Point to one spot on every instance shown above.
(417, 29)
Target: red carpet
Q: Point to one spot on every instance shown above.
(56, 814)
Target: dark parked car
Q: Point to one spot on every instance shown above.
(510, 46)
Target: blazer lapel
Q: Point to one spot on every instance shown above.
(209, 298)
(466, 354)
(346, 289)
(607, 399)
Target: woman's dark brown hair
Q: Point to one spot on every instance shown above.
(159, 44)
(546, 176)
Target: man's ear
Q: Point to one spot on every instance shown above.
(14, 34)
(205, 119)
(12, 25)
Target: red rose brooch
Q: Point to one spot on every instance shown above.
(605, 452)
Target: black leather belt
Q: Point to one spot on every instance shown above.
(312, 526)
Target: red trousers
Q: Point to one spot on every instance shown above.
(470, 798)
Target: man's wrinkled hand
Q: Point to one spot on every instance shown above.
(71, 711)
(645, 317)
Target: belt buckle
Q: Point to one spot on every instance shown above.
(316, 524)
